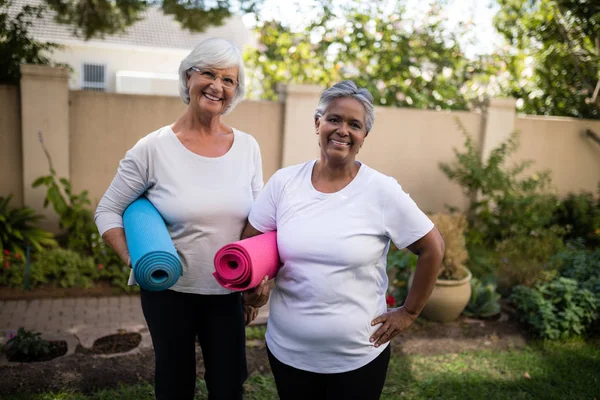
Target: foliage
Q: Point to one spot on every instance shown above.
(16, 44)
(66, 268)
(556, 309)
(507, 210)
(26, 345)
(256, 332)
(452, 228)
(110, 17)
(18, 229)
(402, 62)
(75, 216)
(400, 264)
(556, 68)
(580, 214)
(527, 259)
(580, 264)
(484, 300)
(12, 270)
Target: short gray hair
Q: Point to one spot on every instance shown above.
(213, 53)
(348, 89)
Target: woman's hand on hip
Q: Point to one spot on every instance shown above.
(393, 322)
(258, 296)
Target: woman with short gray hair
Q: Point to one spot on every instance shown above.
(329, 327)
(202, 176)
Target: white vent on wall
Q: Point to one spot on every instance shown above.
(93, 77)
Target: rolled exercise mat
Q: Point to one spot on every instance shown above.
(156, 265)
(243, 264)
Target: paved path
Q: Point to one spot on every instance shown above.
(80, 320)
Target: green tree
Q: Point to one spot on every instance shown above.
(16, 44)
(402, 63)
(556, 69)
(99, 17)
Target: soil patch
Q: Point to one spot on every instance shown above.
(85, 372)
(118, 343)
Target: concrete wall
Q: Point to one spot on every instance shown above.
(11, 159)
(99, 139)
(559, 145)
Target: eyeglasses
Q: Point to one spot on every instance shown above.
(228, 81)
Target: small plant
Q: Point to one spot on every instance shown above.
(75, 216)
(18, 228)
(12, 269)
(26, 346)
(452, 228)
(556, 309)
(484, 300)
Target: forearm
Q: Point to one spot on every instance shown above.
(428, 267)
(115, 238)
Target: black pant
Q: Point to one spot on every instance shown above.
(174, 320)
(365, 383)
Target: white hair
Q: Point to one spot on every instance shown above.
(347, 89)
(213, 53)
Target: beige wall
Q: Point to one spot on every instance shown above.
(409, 145)
(45, 110)
(99, 139)
(559, 145)
(11, 160)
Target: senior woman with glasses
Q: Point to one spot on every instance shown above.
(329, 328)
(202, 176)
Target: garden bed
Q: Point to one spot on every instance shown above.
(101, 289)
(85, 372)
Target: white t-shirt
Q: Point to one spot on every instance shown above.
(205, 201)
(333, 280)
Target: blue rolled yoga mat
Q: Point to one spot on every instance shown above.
(156, 265)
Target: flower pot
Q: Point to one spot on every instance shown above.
(448, 299)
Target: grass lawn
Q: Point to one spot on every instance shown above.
(568, 370)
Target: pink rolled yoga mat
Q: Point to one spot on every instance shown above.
(243, 264)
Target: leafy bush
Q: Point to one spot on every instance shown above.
(18, 228)
(580, 214)
(452, 228)
(12, 272)
(580, 264)
(66, 268)
(527, 259)
(400, 264)
(26, 345)
(556, 309)
(484, 300)
(509, 211)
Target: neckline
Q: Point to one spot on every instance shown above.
(205, 158)
(361, 168)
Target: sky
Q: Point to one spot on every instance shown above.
(483, 38)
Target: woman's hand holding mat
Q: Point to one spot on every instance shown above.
(248, 263)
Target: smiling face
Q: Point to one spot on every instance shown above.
(210, 96)
(342, 130)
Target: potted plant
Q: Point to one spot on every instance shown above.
(452, 289)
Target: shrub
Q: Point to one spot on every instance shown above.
(65, 267)
(556, 309)
(452, 228)
(18, 228)
(484, 300)
(12, 270)
(527, 259)
(580, 214)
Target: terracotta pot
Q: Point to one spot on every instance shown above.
(448, 299)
